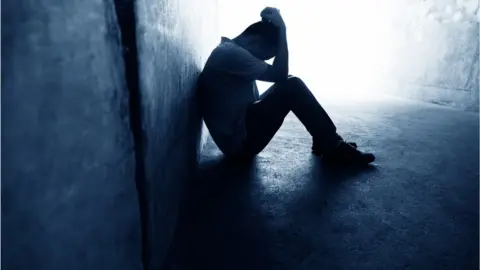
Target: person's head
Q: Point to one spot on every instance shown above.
(260, 39)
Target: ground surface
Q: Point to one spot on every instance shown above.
(417, 208)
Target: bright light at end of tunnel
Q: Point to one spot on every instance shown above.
(339, 48)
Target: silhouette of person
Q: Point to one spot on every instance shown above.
(240, 121)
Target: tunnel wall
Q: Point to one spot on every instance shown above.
(101, 130)
(437, 52)
(174, 39)
(69, 199)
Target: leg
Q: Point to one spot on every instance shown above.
(265, 116)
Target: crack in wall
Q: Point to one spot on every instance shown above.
(471, 74)
(125, 10)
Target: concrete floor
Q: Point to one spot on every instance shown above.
(417, 208)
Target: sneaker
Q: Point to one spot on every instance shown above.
(348, 155)
(318, 152)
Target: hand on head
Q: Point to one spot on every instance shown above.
(273, 16)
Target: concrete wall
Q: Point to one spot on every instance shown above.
(174, 39)
(98, 141)
(436, 51)
(68, 188)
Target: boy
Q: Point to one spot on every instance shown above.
(240, 121)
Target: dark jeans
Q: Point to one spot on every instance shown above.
(264, 117)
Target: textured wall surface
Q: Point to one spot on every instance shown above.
(174, 39)
(436, 53)
(68, 188)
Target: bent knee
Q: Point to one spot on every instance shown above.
(291, 82)
(294, 81)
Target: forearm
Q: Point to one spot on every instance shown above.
(280, 64)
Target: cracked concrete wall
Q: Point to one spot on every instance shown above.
(69, 199)
(174, 39)
(437, 51)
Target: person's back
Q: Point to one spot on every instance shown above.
(226, 92)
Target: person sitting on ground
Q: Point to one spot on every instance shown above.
(242, 123)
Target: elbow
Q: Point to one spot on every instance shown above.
(285, 74)
(282, 73)
(282, 77)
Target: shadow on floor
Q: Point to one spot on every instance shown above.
(418, 209)
(231, 221)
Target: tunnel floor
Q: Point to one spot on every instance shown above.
(417, 208)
